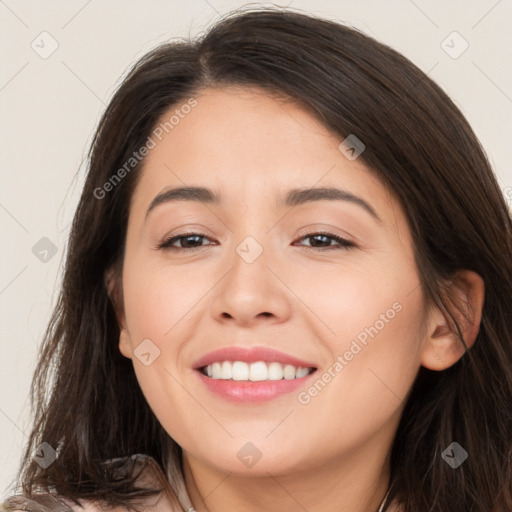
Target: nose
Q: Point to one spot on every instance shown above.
(252, 292)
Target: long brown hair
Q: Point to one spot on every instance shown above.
(417, 143)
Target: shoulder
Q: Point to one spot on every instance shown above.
(51, 502)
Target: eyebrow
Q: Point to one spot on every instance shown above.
(294, 197)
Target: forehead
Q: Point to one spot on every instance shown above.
(251, 146)
(236, 126)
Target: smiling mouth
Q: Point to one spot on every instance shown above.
(254, 372)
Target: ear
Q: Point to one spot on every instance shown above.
(442, 347)
(113, 285)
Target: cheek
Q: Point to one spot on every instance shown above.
(159, 306)
(362, 302)
(159, 301)
(375, 359)
(374, 341)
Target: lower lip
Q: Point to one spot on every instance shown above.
(252, 392)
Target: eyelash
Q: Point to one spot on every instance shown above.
(344, 244)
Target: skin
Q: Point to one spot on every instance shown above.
(311, 302)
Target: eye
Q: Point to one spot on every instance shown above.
(192, 241)
(325, 238)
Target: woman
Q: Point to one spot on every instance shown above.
(287, 288)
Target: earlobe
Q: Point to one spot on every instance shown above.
(124, 344)
(443, 347)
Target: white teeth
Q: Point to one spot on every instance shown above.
(275, 371)
(215, 370)
(226, 371)
(258, 371)
(289, 372)
(240, 370)
(302, 372)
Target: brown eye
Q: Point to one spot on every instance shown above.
(191, 241)
(323, 241)
(187, 240)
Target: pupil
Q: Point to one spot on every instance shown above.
(320, 236)
(189, 237)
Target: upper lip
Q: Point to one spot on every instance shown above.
(250, 355)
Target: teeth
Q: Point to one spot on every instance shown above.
(240, 370)
(275, 371)
(289, 372)
(226, 371)
(257, 371)
(302, 372)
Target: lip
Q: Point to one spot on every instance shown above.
(250, 355)
(252, 392)
(248, 391)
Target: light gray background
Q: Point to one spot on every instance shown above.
(51, 105)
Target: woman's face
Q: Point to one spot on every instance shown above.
(262, 276)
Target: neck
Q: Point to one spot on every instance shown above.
(355, 482)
